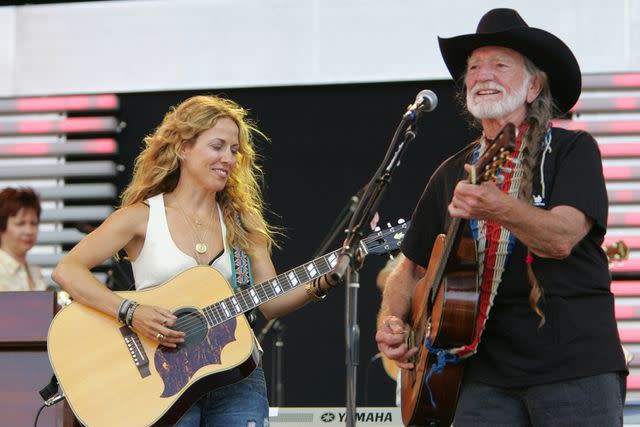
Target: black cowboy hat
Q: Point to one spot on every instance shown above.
(506, 28)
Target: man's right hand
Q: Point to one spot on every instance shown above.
(392, 341)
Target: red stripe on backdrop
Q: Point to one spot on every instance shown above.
(106, 102)
(626, 80)
(633, 382)
(36, 126)
(630, 241)
(622, 219)
(630, 265)
(625, 312)
(620, 150)
(103, 145)
(625, 287)
(84, 124)
(629, 335)
(621, 196)
(617, 172)
(55, 103)
(625, 103)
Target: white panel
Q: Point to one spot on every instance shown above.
(7, 48)
(121, 46)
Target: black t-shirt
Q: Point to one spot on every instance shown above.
(579, 337)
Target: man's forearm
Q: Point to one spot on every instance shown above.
(547, 233)
(398, 291)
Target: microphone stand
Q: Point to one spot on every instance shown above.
(277, 324)
(340, 222)
(277, 365)
(352, 255)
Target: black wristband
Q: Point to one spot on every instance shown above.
(122, 310)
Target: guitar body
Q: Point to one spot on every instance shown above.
(112, 376)
(449, 321)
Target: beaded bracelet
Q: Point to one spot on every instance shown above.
(129, 318)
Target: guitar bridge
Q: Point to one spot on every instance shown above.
(138, 355)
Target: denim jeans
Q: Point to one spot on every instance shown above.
(241, 404)
(596, 401)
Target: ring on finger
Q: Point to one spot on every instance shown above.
(160, 337)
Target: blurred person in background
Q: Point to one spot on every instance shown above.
(19, 220)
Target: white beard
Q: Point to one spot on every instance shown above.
(492, 109)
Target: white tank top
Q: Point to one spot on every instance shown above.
(160, 259)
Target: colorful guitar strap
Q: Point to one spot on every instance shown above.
(494, 244)
(242, 277)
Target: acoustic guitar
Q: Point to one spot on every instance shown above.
(111, 376)
(445, 306)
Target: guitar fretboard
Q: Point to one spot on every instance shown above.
(248, 299)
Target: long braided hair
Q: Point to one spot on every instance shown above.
(539, 115)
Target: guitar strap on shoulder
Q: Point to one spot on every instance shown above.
(494, 244)
(242, 277)
(241, 265)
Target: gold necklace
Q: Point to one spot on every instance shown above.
(200, 246)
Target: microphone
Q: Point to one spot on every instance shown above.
(426, 101)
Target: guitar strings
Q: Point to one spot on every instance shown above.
(192, 323)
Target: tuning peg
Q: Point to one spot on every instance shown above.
(391, 257)
(376, 229)
(389, 225)
(401, 221)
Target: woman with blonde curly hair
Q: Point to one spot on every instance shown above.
(194, 199)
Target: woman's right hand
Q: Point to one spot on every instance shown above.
(391, 338)
(155, 323)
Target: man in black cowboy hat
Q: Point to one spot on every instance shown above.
(546, 350)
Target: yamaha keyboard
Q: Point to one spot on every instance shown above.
(320, 417)
(380, 416)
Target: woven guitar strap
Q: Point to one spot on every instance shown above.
(494, 244)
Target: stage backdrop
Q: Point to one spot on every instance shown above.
(326, 142)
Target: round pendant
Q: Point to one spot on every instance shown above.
(201, 248)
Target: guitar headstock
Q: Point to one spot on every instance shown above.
(495, 156)
(381, 242)
(617, 251)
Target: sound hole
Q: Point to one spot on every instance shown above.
(193, 324)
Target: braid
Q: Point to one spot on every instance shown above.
(539, 115)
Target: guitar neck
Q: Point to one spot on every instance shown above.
(451, 237)
(248, 299)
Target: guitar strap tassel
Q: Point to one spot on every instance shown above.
(444, 357)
